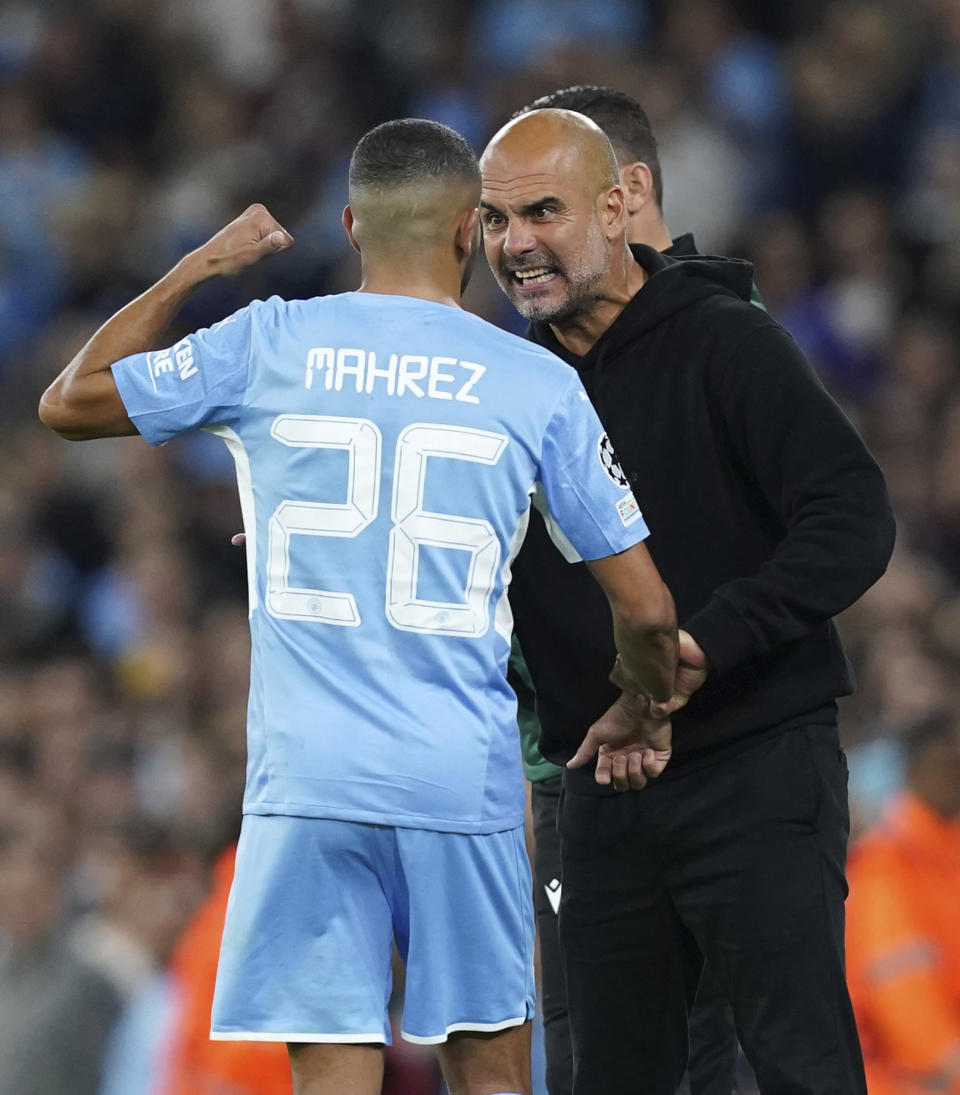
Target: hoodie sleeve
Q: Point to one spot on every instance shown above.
(817, 475)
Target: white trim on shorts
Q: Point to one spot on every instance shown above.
(436, 1039)
(260, 1036)
(345, 1039)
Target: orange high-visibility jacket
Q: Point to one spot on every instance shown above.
(903, 950)
(199, 1066)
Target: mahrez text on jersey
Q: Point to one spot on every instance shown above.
(400, 374)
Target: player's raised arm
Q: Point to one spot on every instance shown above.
(83, 402)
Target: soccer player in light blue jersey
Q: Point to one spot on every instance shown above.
(387, 447)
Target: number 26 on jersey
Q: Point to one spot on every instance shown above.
(413, 526)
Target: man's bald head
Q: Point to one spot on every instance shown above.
(561, 140)
(409, 180)
(620, 116)
(553, 215)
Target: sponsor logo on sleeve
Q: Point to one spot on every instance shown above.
(609, 462)
(159, 362)
(183, 355)
(179, 357)
(628, 509)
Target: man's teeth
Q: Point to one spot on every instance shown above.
(529, 277)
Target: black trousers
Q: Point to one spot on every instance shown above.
(713, 1041)
(546, 902)
(740, 863)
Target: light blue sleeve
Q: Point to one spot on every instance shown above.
(589, 506)
(198, 382)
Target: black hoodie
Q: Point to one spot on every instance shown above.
(768, 516)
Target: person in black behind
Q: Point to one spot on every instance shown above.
(768, 517)
(626, 124)
(713, 1043)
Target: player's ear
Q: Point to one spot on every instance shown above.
(348, 222)
(637, 182)
(467, 239)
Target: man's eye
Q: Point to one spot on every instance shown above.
(542, 211)
(492, 220)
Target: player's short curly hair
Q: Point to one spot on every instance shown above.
(619, 115)
(409, 150)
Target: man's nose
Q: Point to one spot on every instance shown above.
(519, 239)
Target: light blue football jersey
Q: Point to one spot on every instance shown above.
(387, 449)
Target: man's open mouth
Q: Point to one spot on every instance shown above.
(536, 275)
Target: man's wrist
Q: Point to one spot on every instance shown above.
(624, 679)
(191, 271)
(635, 705)
(632, 694)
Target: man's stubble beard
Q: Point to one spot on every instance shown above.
(583, 287)
(579, 300)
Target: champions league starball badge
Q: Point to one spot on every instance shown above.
(608, 459)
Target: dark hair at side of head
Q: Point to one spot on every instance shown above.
(410, 150)
(940, 726)
(619, 115)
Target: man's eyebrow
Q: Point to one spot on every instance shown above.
(529, 207)
(550, 199)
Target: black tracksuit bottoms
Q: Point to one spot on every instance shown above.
(713, 1040)
(740, 862)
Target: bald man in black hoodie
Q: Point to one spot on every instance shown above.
(713, 1067)
(768, 517)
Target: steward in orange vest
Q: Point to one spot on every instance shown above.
(903, 925)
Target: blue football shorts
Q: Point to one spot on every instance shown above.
(316, 905)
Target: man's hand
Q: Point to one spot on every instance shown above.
(244, 241)
(633, 748)
(633, 738)
(692, 671)
(630, 769)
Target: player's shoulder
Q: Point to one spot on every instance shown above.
(521, 351)
(256, 312)
(286, 314)
(277, 305)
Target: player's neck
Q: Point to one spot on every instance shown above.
(647, 227)
(405, 280)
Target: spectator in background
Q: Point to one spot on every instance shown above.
(56, 1012)
(147, 886)
(853, 103)
(903, 924)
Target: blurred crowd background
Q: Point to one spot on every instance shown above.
(819, 139)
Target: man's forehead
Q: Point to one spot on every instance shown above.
(510, 156)
(521, 186)
(513, 174)
(552, 164)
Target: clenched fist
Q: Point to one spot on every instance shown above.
(242, 242)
